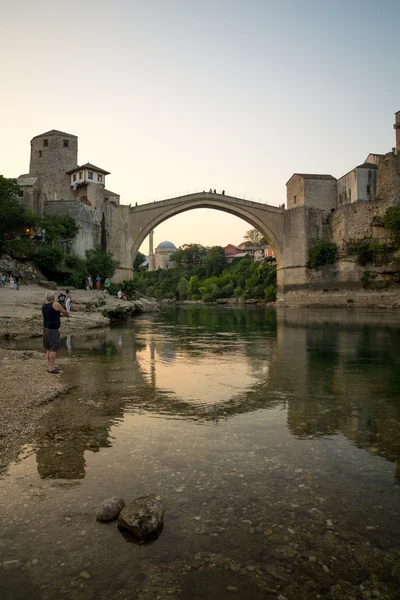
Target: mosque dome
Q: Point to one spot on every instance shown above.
(166, 244)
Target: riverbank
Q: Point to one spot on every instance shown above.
(20, 311)
(27, 390)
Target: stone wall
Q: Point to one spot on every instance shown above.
(88, 219)
(320, 193)
(388, 182)
(295, 192)
(357, 221)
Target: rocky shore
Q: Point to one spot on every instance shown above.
(20, 314)
(27, 388)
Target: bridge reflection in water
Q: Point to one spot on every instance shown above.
(330, 374)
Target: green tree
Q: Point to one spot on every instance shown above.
(11, 212)
(139, 259)
(58, 228)
(189, 255)
(183, 288)
(255, 238)
(194, 290)
(215, 261)
(100, 262)
(321, 253)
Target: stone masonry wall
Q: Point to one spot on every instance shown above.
(356, 221)
(88, 220)
(295, 189)
(320, 193)
(388, 182)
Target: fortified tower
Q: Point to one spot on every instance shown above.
(53, 154)
(397, 128)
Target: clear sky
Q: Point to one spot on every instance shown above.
(174, 96)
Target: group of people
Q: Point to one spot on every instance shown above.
(14, 279)
(89, 284)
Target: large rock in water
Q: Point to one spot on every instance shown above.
(109, 509)
(142, 517)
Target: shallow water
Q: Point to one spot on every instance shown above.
(272, 438)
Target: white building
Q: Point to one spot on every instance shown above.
(358, 184)
(163, 253)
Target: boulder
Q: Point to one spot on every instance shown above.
(109, 509)
(143, 517)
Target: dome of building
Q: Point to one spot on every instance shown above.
(167, 244)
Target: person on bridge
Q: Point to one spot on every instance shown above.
(52, 311)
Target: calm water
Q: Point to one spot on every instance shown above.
(272, 438)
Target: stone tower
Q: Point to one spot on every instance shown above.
(397, 128)
(53, 154)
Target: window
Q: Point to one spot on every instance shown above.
(368, 189)
(66, 144)
(90, 175)
(45, 143)
(80, 174)
(40, 154)
(295, 199)
(74, 177)
(21, 193)
(99, 177)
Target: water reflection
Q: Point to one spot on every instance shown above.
(329, 374)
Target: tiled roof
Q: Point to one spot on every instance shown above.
(88, 166)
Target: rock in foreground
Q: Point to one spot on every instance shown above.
(142, 517)
(109, 509)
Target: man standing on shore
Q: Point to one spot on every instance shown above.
(52, 311)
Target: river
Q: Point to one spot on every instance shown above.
(273, 439)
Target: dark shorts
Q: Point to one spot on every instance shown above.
(51, 339)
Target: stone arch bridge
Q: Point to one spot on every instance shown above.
(287, 231)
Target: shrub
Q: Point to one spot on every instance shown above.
(367, 277)
(321, 253)
(48, 258)
(391, 221)
(21, 249)
(100, 262)
(368, 251)
(270, 293)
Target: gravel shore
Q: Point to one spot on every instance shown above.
(27, 390)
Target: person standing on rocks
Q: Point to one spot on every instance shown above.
(98, 282)
(68, 301)
(52, 311)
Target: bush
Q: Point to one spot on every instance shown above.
(368, 251)
(270, 293)
(21, 249)
(367, 277)
(48, 258)
(391, 221)
(321, 253)
(100, 262)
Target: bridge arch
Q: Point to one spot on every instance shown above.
(268, 220)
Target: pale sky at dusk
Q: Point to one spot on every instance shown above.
(176, 96)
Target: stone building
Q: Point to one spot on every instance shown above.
(57, 185)
(358, 184)
(313, 191)
(163, 255)
(376, 179)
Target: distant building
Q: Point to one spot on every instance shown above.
(257, 253)
(163, 253)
